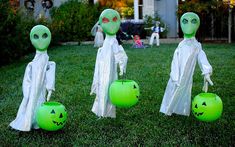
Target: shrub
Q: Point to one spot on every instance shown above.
(213, 18)
(14, 32)
(73, 20)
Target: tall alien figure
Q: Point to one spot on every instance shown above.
(39, 79)
(177, 97)
(108, 56)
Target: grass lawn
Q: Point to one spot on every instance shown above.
(139, 125)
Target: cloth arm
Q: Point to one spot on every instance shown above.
(203, 63)
(150, 28)
(27, 80)
(120, 58)
(163, 29)
(50, 78)
(95, 78)
(175, 67)
(94, 29)
(205, 68)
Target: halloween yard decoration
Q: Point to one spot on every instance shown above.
(156, 31)
(207, 107)
(108, 56)
(124, 93)
(39, 77)
(137, 42)
(177, 97)
(51, 116)
(98, 33)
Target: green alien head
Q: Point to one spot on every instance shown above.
(110, 21)
(189, 23)
(40, 37)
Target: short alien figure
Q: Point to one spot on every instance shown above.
(108, 56)
(98, 33)
(156, 31)
(39, 77)
(177, 97)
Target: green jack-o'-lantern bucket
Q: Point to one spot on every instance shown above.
(207, 107)
(124, 93)
(51, 116)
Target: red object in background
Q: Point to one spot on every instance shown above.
(137, 40)
(15, 4)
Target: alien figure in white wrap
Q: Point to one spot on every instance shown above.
(177, 97)
(108, 56)
(39, 79)
(98, 33)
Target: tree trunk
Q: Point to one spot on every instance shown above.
(229, 24)
(212, 26)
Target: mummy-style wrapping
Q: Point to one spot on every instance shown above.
(39, 76)
(177, 97)
(39, 79)
(108, 57)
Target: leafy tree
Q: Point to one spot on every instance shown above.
(73, 20)
(15, 26)
(213, 15)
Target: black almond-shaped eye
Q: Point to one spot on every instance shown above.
(53, 111)
(184, 21)
(61, 115)
(135, 87)
(196, 106)
(204, 103)
(194, 21)
(44, 35)
(35, 36)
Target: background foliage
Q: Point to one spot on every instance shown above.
(15, 26)
(124, 7)
(213, 15)
(73, 20)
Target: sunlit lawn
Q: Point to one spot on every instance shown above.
(139, 125)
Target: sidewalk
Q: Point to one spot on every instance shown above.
(164, 40)
(146, 41)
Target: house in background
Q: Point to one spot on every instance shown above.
(41, 6)
(166, 10)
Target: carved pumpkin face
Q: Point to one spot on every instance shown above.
(207, 107)
(124, 93)
(51, 116)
